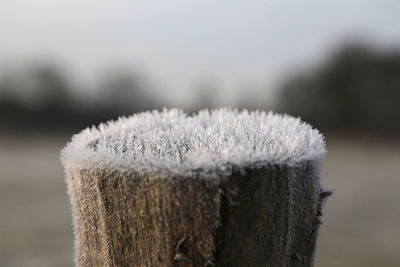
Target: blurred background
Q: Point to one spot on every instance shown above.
(66, 65)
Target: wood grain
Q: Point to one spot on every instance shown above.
(257, 217)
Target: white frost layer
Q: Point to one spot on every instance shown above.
(208, 143)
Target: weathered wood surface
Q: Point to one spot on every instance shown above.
(264, 217)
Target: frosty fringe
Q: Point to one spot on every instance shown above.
(209, 144)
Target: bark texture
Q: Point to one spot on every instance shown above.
(265, 217)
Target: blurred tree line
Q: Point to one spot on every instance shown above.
(41, 98)
(356, 89)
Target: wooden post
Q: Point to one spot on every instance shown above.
(207, 205)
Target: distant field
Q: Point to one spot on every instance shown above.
(362, 221)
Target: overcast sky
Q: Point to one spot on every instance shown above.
(181, 42)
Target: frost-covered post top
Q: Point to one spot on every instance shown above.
(207, 143)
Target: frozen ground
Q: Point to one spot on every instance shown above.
(362, 221)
